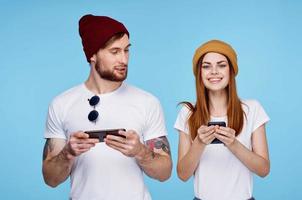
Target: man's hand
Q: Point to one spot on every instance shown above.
(59, 154)
(129, 146)
(79, 143)
(154, 158)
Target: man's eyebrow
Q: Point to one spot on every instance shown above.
(129, 45)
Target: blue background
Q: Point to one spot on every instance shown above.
(41, 56)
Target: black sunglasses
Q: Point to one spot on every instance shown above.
(93, 115)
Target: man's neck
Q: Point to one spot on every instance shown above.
(98, 85)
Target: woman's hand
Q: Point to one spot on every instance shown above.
(205, 134)
(225, 135)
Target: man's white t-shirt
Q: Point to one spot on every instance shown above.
(102, 172)
(220, 174)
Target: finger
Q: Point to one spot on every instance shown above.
(85, 141)
(204, 129)
(115, 143)
(124, 133)
(223, 138)
(224, 128)
(80, 134)
(208, 139)
(209, 132)
(224, 132)
(93, 141)
(228, 129)
(204, 136)
(123, 151)
(78, 150)
(129, 134)
(116, 138)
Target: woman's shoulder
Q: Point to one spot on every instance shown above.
(251, 105)
(250, 102)
(186, 107)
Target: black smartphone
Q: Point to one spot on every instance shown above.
(216, 141)
(101, 134)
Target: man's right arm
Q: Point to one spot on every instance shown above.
(59, 155)
(57, 162)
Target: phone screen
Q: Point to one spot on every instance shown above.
(221, 123)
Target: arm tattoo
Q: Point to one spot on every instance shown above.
(159, 143)
(48, 147)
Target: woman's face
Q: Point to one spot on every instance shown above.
(215, 71)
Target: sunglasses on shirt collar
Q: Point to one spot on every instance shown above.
(93, 115)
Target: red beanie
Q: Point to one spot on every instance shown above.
(95, 31)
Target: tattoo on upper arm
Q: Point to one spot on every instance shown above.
(48, 147)
(159, 143)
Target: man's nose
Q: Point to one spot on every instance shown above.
(123, 58)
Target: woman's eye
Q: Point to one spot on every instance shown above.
(222, 66)
(205, 66)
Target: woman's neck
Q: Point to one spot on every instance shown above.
(218, 103)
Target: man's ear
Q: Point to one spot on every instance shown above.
(93, 58)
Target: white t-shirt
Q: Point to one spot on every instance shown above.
(220, 174)
(102, 172)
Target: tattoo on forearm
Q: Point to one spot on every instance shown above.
(159, 143)
(48, 147)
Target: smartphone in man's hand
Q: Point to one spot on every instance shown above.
(101, 134)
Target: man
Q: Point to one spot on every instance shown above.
(112, 169)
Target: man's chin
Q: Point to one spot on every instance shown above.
(118, 78)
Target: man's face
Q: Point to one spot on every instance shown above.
(112, 62)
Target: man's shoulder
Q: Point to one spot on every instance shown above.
(69, 94)
(134, 90)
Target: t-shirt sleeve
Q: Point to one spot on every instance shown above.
(155, 122)
(260, 116)
(181, 123)
(54, 126)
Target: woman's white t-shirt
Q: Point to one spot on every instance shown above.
(220, 174)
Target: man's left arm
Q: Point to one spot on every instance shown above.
(154, 157)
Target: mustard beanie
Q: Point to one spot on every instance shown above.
(216, 46)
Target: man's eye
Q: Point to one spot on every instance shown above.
(114, 52)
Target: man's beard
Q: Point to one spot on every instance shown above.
(110, 75)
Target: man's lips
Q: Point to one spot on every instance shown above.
(124, 68)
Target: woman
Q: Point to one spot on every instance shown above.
(222, 159)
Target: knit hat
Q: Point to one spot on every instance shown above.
(95, 31)
(218, 47)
